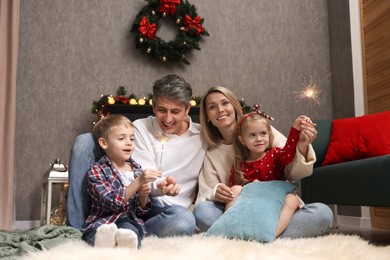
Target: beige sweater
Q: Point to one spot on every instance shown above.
(219, 160)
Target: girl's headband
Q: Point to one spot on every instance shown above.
(256, 111)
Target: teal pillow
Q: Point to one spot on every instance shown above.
(255, 214)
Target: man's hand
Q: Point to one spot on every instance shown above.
(169, 186)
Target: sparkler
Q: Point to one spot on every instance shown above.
(163, 140)
(311, 91)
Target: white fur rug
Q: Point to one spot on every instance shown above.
(200, 247)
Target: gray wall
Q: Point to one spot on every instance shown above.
(341, 69)
(341, 59)
(72, 51)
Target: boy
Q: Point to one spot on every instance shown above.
(118, 187)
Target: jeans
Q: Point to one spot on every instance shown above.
(123, 222)
(85, 151)
(166, 221)
(206, 213)
(311, 220)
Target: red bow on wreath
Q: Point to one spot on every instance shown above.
(169, 6)
(147, 29)
(193, 23)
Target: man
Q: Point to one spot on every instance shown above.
(169, 142)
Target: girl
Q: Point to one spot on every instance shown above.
(256, 160)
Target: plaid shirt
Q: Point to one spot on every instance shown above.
(107, 192)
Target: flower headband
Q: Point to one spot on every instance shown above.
(256, 111)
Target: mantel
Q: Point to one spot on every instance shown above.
(134, 112)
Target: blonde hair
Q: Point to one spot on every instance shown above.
(210, 133)
(241, 152)
(103, 127)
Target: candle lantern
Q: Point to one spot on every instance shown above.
(56, 175)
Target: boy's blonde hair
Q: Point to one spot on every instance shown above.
(241, 152)
(103, 127)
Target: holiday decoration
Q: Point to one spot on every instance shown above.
(188, 22)
(256, 109)
(58, 215)
(100, 107)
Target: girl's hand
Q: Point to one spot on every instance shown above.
(307, 136)
(223, 193)
(308, 131)
(301, 122)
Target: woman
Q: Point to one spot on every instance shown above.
(220, 111)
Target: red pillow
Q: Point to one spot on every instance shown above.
(358, 138)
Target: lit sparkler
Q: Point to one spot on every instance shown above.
(163, 140)
(311, 91)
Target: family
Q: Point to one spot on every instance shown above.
(143, 176)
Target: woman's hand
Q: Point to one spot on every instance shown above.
(223, 193)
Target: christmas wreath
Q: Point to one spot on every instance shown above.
(189, 25)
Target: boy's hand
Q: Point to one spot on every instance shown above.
(169, 186)
(149, 175)
(144, 190)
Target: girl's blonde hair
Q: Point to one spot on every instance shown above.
(103, 127)
(210, 133)
(241, 152)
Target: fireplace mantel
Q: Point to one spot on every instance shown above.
(134, 112)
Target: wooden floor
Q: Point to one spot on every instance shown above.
(376, 236)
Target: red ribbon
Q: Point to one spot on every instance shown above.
(169, 6)
(193, 23)
(147, 29)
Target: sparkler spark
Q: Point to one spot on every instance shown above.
(311, 91)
